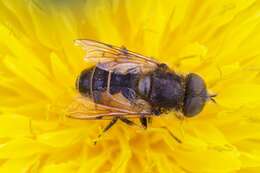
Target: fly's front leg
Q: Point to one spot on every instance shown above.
(171, 134)
(146, 120)
(112, 122)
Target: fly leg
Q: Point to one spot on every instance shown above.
(171, 134)
(182, 120)
(129, 122)
(146, 120)
(112, 122)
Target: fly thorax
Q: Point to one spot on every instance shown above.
(166, 90)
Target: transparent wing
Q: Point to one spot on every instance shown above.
(84, 108)
(116, 59)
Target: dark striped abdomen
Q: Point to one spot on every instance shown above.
(100, 80)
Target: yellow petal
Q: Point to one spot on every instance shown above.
(36, 79)
(62, 138)
(61, 71)
(209, 161)
(241, 130)
(21, 147)
(250, 153)
(21, 165)
(208, 133)
(21, 123)
(69, 167)
(237, 95)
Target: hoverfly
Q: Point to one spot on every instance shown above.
(124, 85)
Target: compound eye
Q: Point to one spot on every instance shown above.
(195, 95)
(195, 85)
(193, 106)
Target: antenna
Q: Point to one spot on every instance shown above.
(211, 97)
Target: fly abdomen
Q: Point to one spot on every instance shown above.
(97, 80)
(94, 78)
(84, 81)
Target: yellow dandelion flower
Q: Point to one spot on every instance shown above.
(39, 64)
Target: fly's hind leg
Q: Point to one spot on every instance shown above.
(145, 121)
(112, 122)
(129, 122)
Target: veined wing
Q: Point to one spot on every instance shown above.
(116, 59)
